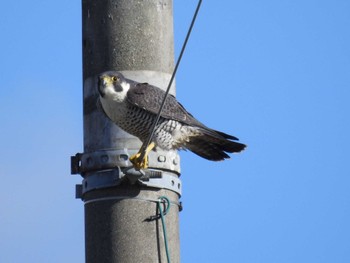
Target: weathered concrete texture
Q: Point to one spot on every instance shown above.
(127, 35)
(119, 230)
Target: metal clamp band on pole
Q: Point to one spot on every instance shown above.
(109, 168)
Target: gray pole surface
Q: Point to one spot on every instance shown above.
(136, 38)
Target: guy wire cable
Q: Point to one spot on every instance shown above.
(146, 143)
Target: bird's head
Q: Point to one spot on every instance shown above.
(112, 86)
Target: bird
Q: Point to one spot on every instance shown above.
(133, 106)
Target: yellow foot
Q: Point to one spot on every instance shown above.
(139, 163)
(142, 163)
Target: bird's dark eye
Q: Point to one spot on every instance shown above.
(115, 79)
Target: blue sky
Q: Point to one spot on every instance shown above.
(276, 74)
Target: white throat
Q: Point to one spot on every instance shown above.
(116, 96)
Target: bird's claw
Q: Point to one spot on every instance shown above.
(138, 162)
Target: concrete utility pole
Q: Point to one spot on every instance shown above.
(136, 38)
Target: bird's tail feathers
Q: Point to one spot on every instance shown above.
(214, 145)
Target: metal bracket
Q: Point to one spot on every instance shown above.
(83, 163)
(104, 169)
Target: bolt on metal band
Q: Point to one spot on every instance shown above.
(83, 163)
(114, 177)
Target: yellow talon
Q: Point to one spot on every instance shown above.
(141, 163)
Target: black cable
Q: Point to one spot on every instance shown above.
(146, 143)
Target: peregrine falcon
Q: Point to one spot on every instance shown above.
(133, 106)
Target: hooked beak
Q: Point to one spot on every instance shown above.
(103, 81)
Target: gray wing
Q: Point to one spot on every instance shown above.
(149, 98)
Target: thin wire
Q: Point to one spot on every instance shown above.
(145, 145)
(111, 198)
(162, 214)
